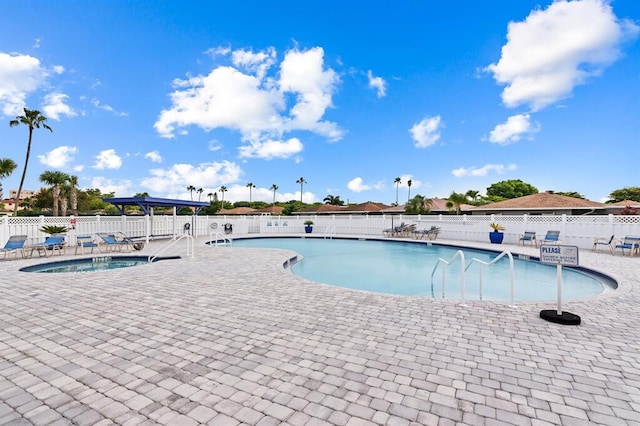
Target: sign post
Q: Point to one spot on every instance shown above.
(559, 255)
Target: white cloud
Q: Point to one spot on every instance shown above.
(555, 49)
(358, 185)
(405, 178)
(154, 156)
(426, 132)
(96, 103)
(59, 157)
(484, 170)
(378, 84)
(20, 75)
(177, 177)
(271, 149)
(55, 106)
(108, 159)
(121, 188)
(58, 69)
(244, 98)
(513, 129)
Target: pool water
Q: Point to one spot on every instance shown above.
(406, 268)
(88, 264)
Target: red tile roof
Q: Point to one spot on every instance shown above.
(543, 200)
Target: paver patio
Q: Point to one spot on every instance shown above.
(229, 337)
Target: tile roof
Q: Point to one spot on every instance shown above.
(542, 200)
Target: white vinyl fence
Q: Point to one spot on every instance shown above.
(574, 230)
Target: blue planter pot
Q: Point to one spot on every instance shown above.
(308, 229)
(496, 237)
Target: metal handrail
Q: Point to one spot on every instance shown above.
(329, 232)
(219, 236)
(511, 271)
(459, 254)
(171, 243)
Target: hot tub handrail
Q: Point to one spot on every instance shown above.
(511, 271)
(171, 243)
(446, 263)
(217, 236)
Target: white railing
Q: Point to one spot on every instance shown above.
(511, 272)
(216, 237)
(446, 263)
(329, 232)
(171, 243)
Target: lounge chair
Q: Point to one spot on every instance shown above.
(396, 230)
(630, 243)
(85, 241)
(603, 242)
(112, 242)
(50, 245)
(15, 245)
(528, 236)
(552, 237)
(429, 234)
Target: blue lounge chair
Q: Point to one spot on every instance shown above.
(629, 243)
(603, 242)
(85, 241)
(552, 237)
(112, 243)
(51, 245)
(14, 244)
(528, 236)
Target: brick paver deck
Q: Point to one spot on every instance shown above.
(229, 337)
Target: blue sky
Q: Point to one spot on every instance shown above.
(157, 96)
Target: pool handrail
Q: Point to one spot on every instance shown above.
(171, 243)
(459, 254)
(329, 232)
(511, 272)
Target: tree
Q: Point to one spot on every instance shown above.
(301, 181)
(222, 190)
(334, 201)
(73, 194)
(210, 195)
(33, 119)
(250, 185)
(571, 194)
(511, 189)
(456, 200)
(200, 191)
(627, 193)
(274, 188)
(191, 188)
(472, 195)
(418, 205)
(409, 182)
(55, 179)
(397, 181)
(7, 166)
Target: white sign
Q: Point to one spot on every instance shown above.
(559, 255)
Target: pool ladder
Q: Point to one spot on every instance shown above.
(171, 243)
(329, 232)
(463, 270)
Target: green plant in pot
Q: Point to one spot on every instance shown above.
(496, 236)
(54, 229)
(308, 226)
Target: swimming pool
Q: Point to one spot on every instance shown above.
(90, 264)
(406, 268)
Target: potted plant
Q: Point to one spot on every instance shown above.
(54, 229)
(496, 235)
(308, 226)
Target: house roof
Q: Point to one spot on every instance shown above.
(322, 208)
(542, 201)
(237, 210)
(270, 209)
(440, 205)
(368, 207)
(626, 203)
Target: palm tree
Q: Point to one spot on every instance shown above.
(274, 188)
(200, 191)
(55, 179)
(222, 190)
(250, 185)
(7, 166)
(455, 200)
(65, 192)
(301, 181)
(191, 188)
(397, 181)
(34, 120)
(473, 195)
(409, 182)
(210, 195)
(73, 194)
(334, 201)
(418, 205)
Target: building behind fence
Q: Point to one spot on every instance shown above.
(574, 230)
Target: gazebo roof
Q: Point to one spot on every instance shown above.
(145, 203)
